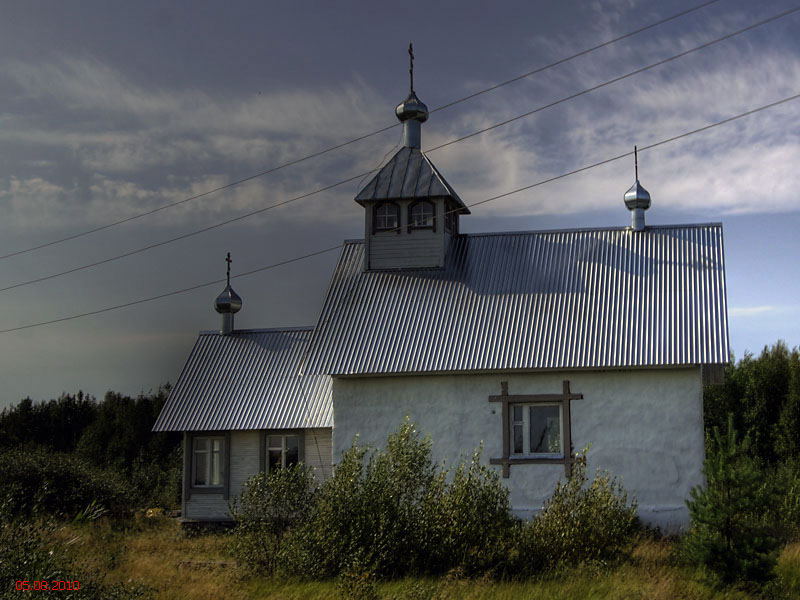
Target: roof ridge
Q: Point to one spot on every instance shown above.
(260, 330)
(714, 224)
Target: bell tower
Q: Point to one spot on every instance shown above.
(411, 212)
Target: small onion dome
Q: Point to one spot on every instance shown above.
(637, 197)
(412, 108)
(228, 301)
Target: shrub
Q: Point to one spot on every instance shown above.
(729, 533)
(158, 481)
(580, 524)
(392, 513)
(56, 484)
(270, 505)
(467, 524)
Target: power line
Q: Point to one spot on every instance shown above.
(332, 248)
(356, 139)
(449, 143)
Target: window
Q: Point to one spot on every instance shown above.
(387, 217)
(282, 451)
(422, 216)
(536, 430)
(208, 456)
(451, 222)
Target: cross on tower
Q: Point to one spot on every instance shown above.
(411, 64)
(229, 261)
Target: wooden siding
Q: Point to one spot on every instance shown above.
(319, 452)
(244, 463)
(419, 249)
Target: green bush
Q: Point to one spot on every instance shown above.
(42, 482)
(580, 523)
(730, 531)
(158, 481)
(786, 510)
(392, 513)
(270, 506)
(467, 523)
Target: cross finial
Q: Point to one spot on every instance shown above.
(411, 64)
(636, 161)
(229, 261)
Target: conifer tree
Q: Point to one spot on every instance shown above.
(729, 532)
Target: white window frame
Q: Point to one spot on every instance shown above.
(282, 448)
(429, 222)
(210, 451)
(395, 214)
(525, 425)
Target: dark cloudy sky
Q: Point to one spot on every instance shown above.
(111, 109)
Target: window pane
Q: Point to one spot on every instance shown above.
(200, 467)
(386, 217)
(201, 444)
(216, 464)
(292, 450)
(517, 413)
(545, 429)
(274, 459)
(517, 439)
(422, 215)
(275, 441)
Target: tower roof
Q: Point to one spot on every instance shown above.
(408, 175)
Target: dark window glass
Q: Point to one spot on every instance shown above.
(387, 216)
(292, 450)
(422, 214)
(545, 430)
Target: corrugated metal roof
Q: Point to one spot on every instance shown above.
(592, 298)
(248, 379)
(409, 174)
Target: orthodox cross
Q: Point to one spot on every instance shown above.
(411, 64)
(229, 261)
(636, 162)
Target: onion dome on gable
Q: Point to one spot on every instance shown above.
(637, 199)
(410, 174)
(228, 303)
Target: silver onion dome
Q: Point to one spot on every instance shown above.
(637, 197)
(228, 301)
(411, 108)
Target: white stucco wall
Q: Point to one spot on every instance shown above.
(245, 462)
(644, 426)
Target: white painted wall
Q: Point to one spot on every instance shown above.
(644, 426)
(245, 462)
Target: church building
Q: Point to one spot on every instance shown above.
(533, 344)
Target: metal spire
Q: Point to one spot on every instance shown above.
(228, 302)
(637, 199)
(411, 65)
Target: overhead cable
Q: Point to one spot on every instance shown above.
(332, 248)
(354, 140)
(440, 146)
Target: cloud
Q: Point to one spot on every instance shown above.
(750, 311)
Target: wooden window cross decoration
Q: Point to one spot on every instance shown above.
(530, 401)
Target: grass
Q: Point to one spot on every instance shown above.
(157, 553)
